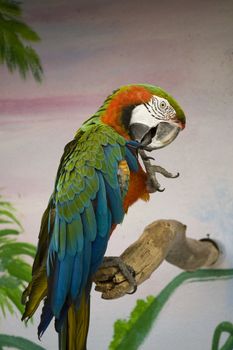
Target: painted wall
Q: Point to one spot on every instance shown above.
(88, 49)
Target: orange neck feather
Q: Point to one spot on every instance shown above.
(125, 97)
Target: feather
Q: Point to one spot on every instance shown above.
(45, 318)
(62, 284)
(62, 239)
(74, 236)
(131, 160)
(101, 208)
(89, 222)
(76, 275)
(60, 321)
(115, 203)
(85, 269)
(55, 236)
(99, 246)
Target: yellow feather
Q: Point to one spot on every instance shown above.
(74, 331)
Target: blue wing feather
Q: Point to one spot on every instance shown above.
(77, 275)
(89, 222)
(62, 284)
(74, 238)
(99, 246)
(85, 209)
(115, 203)
(131, 160)
(62, 239)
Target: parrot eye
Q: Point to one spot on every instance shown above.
(162, 104)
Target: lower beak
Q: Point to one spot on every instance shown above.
(152, 138)
(163, 135)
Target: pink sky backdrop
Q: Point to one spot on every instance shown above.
(88, 49)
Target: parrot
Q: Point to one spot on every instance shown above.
(102, 172)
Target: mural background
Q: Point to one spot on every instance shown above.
(89, 48)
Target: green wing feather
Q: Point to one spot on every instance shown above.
(87, 178)
(86, 202)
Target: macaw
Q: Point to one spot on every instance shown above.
(98, 179)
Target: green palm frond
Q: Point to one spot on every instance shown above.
(17, 343)
(7, 213)
(10, 8)
(14, 52)
(15, 272)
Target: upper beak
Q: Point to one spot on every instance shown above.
(155, 137)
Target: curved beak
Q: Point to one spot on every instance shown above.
(153, 133)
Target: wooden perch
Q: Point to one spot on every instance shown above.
(161, 240)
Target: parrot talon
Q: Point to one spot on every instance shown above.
(161, 189)
(175, 176)
(151, 170)
(134, 290)
(127, 271)
(148, 158)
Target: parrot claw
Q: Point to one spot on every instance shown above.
(161, 190)
(148, 158)
(126, 270)
(151, 170)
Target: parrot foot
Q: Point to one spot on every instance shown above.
(126, 270)
(152, 183)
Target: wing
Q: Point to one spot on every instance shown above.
(87, 202)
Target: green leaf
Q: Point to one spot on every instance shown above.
(7, 232)
(14, 271)
(10, 8)
(8, 282)
(6, 204)
(3, 221)
(17, 248)
(22, 29)
(130, 334)
(121, 327)
(13, 51)
(19, 269)
(18, 343)
(223, 327)
(11, 216)
(15, 296)
(5, 304)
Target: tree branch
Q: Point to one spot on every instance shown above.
(161, 240)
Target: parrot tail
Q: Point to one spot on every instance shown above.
(73, 334)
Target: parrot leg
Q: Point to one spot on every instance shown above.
(126, 270)
(151, 170)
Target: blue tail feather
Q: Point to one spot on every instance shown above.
(45, 319)
(61, 284)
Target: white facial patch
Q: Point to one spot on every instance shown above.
(141, 114)
(160, 108)
(154, 122)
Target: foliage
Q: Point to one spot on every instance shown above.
(17, 343)
(131, 334)
(14, 270)
(223, 327)
(14, 52)
(122, 327)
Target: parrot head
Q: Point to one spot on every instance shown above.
(157, 122)
(143, 113)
